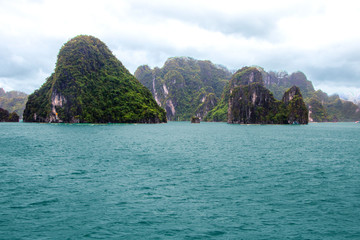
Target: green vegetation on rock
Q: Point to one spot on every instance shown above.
(247, 101)
(324, 108)
(279, 82)
(297, 111)
(220, 111)
(13, 101)
(317, 111)
(5, 116)
(244, 76)
(90, 85)
(185, 87)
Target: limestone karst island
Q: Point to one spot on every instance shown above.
(250, 102)
(187, 87)
(90, 85)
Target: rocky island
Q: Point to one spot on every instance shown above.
(195, 119)
(5, 116)
(184, 86)
(90, 85)
(321, 106)
(247, 101)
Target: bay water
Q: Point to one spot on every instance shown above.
(179, 181)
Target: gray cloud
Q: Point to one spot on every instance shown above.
(23, 66)
(346, 75)
(259, 22)
(247, 25)
(275, 35)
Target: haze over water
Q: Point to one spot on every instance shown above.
(179, 181)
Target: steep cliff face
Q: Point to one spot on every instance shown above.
(246, 76)
(90, 85)
(184, 86)
(208, 102)
(295, 105)
(317, 111)
(252, 103)
(322, 108)
(279, 82)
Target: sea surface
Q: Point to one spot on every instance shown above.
(179, 181)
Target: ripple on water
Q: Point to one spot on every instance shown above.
(177, 180)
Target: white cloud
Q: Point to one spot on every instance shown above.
(17, 59)
(317, 37)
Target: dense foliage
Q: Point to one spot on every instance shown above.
(5, 116)
(246, 100)
(90, 85)
(297, 111)
(185, 86)
(279, 82)
(13, 101)
(220, 111)
(244, 76)
(322, 108)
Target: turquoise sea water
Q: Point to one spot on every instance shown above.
(179, 181)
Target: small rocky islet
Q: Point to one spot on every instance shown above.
(90, 85)
(252, 103)
(5, 116)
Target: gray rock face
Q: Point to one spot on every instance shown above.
(208, 102)
(195, 120)
(250, 102)
(184, 86)
(278, 82)
(291, 94)
(297, 111)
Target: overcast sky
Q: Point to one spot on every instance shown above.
(319, 38)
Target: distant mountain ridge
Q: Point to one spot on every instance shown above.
(322, 107)
(279, 82)
(325, 108)
(183, 100)
(186, 87)
(13, 101)
(353, 97)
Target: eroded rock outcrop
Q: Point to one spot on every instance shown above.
(185, 86)
(250, 102)
(297, 113)
(195, 119)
